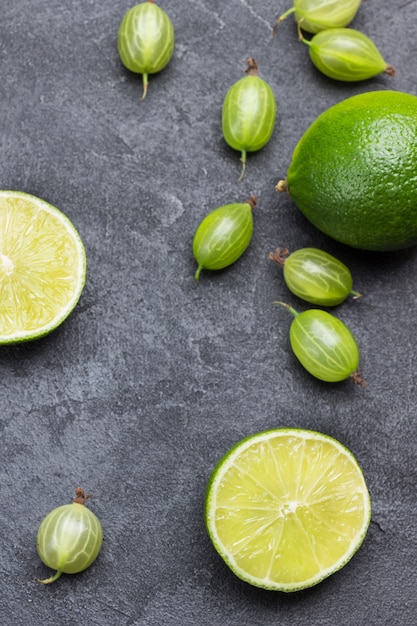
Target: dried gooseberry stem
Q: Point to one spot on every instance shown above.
(252, 201)
(390, 70)
(357, 379)
(286, 306)
(279, 256)
(281, 19)
(80, 496)
(252, 68)
(282, 185)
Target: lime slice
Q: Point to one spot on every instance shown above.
(42, 267)
(286, 508)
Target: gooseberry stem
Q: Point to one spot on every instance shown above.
(287, 306)
(252, 201)
(282, 185)
(281, 19)
(252, 68)
(198, 272)
(390, 70)
(355, 294)
(81, 496)
(243, 161)
(300, 34)
(279, 256)
(48, 581)
(145, 82)
(357, 379)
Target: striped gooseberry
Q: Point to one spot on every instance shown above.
(322, 14)
(315, 276)
(248, 113)
(223, 236)
(324, 345)
(145, 40)
(69, 538)
(345, 54)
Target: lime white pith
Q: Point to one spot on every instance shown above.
(42, 267)
(286, 508)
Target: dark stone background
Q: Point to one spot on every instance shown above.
(153, 377)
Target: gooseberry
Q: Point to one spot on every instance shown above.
(145, 40)
(223, 236)
(322, 14)
(248, 114)
(345, 54)
(324, 345)
(315, 276)
(69, 538)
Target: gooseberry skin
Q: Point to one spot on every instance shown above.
(346, 54)
(248, 113)
(320, 15)
(145, 40)
(223, 236)
(324, 345)
(69, 538)
(316, 276)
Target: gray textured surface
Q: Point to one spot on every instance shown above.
(153, 378)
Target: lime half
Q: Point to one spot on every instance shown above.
(42, 267)
(287, 508)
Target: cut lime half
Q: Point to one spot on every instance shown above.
(42, 267)
(287, 508)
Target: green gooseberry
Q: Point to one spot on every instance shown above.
(324, 345)
(322, 14)
(248, 114)
(145, 40)
(223, 236)
(346, 54)
(315, 276)
(69, 538)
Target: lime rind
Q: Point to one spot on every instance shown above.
(353, 173)
(229, 461)
(74, 246)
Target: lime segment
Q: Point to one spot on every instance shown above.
(42, 267)
(286, 508)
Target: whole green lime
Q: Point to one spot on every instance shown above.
(354, 172)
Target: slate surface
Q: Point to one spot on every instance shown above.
(153, 377)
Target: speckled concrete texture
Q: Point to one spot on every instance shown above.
(152, 378)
